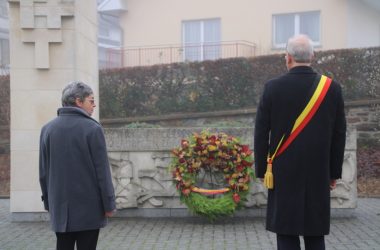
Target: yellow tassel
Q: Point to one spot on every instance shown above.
(268, 177)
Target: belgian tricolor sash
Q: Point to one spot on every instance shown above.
(301, 122)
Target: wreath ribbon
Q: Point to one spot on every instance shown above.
(209, 191)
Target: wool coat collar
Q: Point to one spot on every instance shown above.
(301, 69)
(74, 111)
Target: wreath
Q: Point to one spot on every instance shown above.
(212, 155)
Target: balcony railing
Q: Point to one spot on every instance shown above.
(4, 69)
(165, 54)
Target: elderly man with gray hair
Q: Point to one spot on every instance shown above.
(299, 147)
(74, 172)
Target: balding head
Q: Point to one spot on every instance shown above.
(300, 47)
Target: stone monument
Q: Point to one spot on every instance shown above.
(140, 160)
(52, 42)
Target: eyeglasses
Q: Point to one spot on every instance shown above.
(91, 101)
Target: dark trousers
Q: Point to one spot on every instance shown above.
(85, 240)
(292, 242)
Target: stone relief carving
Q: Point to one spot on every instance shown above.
(149, 185)
(152, 184)
(126, 190)
(257, 196)
(41, 23)
(346, 187)
(142, 179)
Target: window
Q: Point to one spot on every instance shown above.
(288, 25)
(109, 36)
(201, 39)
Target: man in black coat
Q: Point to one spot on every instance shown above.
(74, 173)
(304, 174)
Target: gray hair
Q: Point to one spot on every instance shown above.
(301, 48)
(74, 90)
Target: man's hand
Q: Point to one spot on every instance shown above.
(109, 214)
(332, 184)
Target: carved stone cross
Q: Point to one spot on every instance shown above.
(54, 14)
(41, 38)
(53, 11)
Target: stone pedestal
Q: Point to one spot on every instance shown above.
(345, 194)
(51, 43)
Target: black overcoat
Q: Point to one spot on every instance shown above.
(299, 204)
(75, 175)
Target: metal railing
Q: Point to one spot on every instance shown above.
(166, 54)
(4, 69)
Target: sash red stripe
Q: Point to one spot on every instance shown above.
(307, 118)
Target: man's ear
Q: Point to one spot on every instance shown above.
(289, 59)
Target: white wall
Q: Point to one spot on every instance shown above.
(363, 21)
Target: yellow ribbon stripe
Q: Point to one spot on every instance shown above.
(210, 191)
(270, 159)
(311, 103)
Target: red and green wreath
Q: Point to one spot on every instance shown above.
(216, 153)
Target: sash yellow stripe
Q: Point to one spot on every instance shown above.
(311, 103)
(270, 159)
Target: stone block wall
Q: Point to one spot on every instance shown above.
(365, 117)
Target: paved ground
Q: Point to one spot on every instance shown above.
(362, 231)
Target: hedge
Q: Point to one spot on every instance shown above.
(4, 100)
